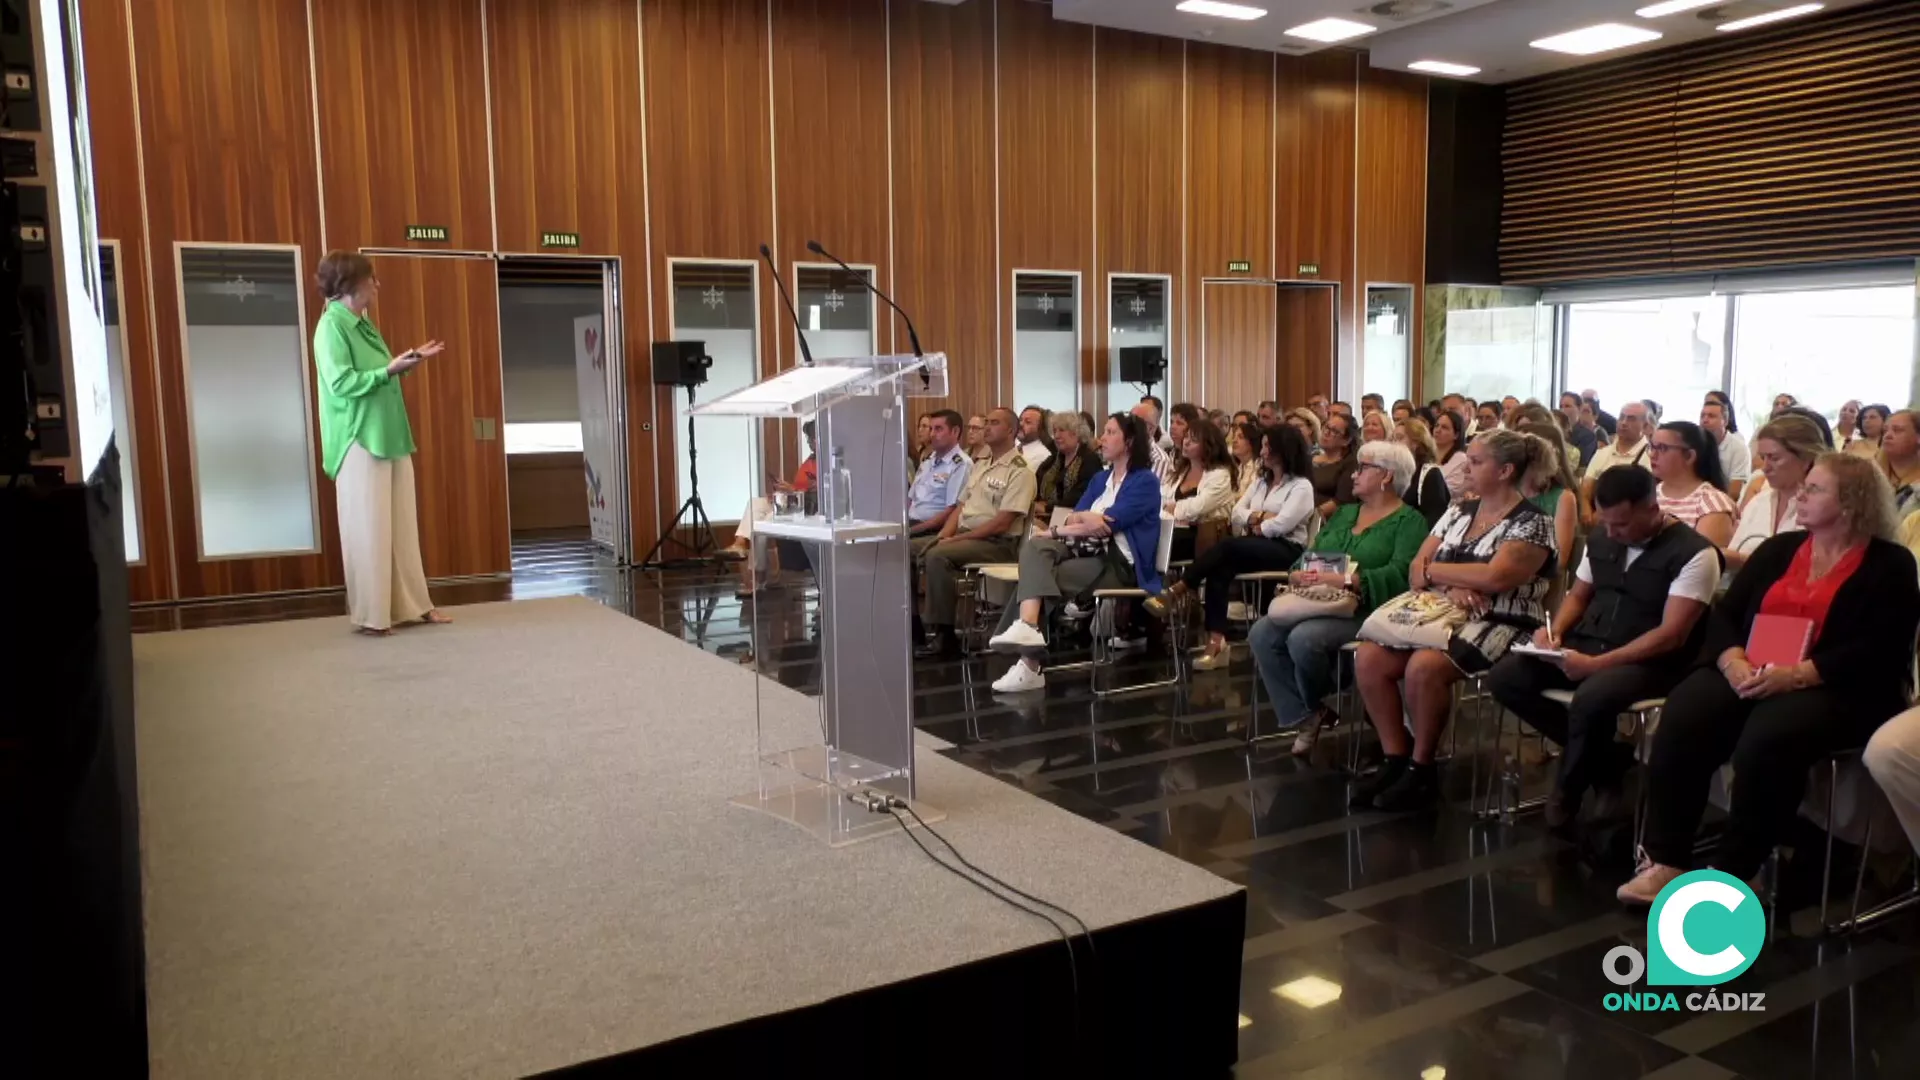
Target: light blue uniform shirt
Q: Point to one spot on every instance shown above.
(938, 484)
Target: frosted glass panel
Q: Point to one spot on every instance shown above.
(1387, 351)
(1137, 315)
(714, 303)
(117, 386)
(837, 311)
(247, 400)
(1046, 341)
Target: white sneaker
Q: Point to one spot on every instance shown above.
(1017, 638)
(1120, 644)
(1214, 661)
(1020, 678)
(1237, 612)
(1075, 612)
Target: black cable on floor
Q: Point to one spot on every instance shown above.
(895, 802)
(1073, 963)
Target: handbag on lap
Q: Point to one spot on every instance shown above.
(1298, 603)
(1414, 620)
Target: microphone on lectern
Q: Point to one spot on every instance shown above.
(806, 354)
(912, 334)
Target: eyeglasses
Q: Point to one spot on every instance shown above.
(1662, 448)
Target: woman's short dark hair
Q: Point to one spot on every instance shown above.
(1706, 456)
(1139, 443)
(1287, 444)
(1726, 406)
(1188, 411)
(1459, 422)
(1886, 414)
(341, 272)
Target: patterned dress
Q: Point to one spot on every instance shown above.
(1515, 614)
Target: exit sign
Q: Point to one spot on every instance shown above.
(1239, 266)
(1309, 269)
(432, 234)
(560, 239)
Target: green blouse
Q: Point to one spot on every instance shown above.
(359, 401)
(1384, 553)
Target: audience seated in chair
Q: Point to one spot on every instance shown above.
(1692, 480)
(1859, 592)
(1493, 558)
(1380, 535)
(1427, 491)
(986, 527)
(1786, 448)
(1272, 523)
(1201, 487)
(1627, 447)
(1109, 541)
(1332, 464)
(1065, 476)
(1032, 437)
(942, 476)
(791, 553)
(1628, 631)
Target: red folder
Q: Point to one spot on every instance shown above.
(1779, 640)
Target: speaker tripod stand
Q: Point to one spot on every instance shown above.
(692, 511)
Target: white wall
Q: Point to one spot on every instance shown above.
(537, 353)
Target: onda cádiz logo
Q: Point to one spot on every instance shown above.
(1704, 929)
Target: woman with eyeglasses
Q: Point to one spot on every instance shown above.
(1692, 485)
(1333, 465)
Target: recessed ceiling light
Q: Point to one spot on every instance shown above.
(1597, 39)
(1673, 7)
(1310, 990)
(1771, 16)
(1330, 30)
(1224, 11)
(1441, 67)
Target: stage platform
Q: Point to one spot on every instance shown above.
(503, 847)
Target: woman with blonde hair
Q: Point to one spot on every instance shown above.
(1857, 594)
(1427, 492)
(1786, 446)
(1375, 427)
(1307, 423)
(1491, 557)
(1900, 458)
(1550, 486)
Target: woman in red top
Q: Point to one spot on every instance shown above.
(1775, 722)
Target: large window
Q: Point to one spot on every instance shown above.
(715, 303)
(1386, 353)
(249, 406)
(1046, 340)
(1670, 350)
(1824, 348)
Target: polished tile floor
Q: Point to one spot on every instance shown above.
(1420, 946)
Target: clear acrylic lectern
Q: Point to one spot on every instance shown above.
(821, 745)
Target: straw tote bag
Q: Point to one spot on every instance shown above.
(1414, 620)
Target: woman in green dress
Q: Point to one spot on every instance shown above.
(368, 449)
(1380, 535)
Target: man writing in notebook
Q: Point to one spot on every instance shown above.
(1625, 633)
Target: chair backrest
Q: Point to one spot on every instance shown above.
(1165, 553)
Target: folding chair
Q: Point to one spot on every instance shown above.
(1106, 604)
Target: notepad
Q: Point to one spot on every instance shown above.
(1528, 648)
(1779, 640)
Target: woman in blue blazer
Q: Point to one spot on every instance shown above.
(1109, 542)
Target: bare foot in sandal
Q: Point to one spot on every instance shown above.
(374, 631)
(436, 617)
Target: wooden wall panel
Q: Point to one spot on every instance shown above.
(1237, 344)
(461, 480)
(1392, 209)
(1139, 167)
(568, 157)
(1046, 164)
(228, 132)
(1314, 204)
(830, 143)
(1229, 213)
(943, 190)
(708, 173)
(401, 139)
(116, 157)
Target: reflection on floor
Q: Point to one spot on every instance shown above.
(1424, 945)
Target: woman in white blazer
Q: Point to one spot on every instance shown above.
(1200, 487)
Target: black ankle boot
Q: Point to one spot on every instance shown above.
(1416, 789)
(1390, 770)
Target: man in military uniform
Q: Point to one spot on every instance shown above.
(942, 477)
(986, 527)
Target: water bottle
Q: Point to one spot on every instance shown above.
(842, 487)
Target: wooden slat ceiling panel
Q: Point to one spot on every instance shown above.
(1792, 146)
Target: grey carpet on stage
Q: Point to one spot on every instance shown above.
(504, 845)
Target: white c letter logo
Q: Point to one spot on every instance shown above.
(1673, 921)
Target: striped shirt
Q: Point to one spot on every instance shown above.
(1702, 501)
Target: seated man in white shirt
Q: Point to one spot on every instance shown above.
(1627, 628)
(1628, 447)
(1159, 445)
(1032, 437)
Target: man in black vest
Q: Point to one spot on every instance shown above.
(1627, 631)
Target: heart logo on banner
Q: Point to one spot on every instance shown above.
(593, 349)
